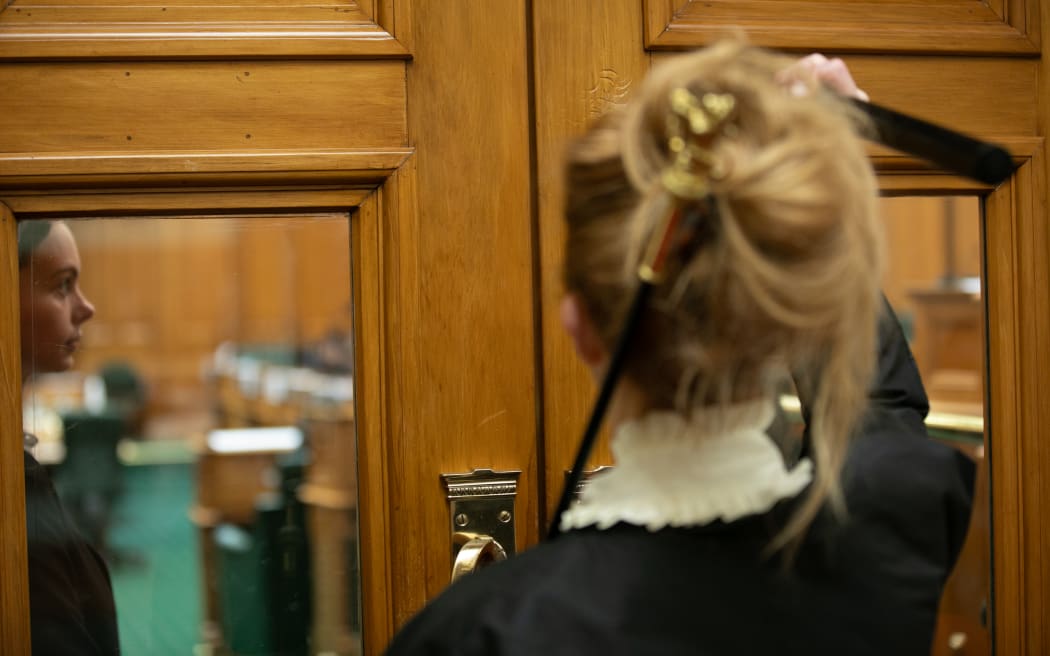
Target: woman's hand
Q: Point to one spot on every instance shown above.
(803, 75)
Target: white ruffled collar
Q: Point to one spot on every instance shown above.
(672, 471)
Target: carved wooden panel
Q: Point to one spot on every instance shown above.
(963, 98)
(943, 26)
(181, 28)
(985, 96)
(129, 108)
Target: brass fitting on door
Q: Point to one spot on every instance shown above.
(481, 512)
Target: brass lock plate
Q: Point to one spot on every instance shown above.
(481, 503)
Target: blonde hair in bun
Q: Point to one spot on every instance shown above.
(787, 274)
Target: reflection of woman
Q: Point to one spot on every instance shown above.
(702, 540)
(70, 596)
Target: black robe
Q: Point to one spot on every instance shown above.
(71, 608)
(868, 585)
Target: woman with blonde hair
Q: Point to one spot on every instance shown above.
(749, 184)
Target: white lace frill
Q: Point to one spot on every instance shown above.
(670, 471)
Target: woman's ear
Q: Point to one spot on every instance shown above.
(577, 322)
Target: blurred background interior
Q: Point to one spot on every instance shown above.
(205, 440)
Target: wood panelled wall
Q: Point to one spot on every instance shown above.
(438, 126)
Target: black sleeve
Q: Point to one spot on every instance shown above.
(897, 478)
(897, 386)
(916, 488)
(71, 605)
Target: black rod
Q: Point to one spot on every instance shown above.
(612, 376)
(948, 149)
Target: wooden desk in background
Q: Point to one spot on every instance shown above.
(949, 348)
(228, 485)
(325, 413)
(330, 496)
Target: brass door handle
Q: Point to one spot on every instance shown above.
(957, 642)
(477, 552)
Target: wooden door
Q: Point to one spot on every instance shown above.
(971, 65)
(439, 126)
(410, 118)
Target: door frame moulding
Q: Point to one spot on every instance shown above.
(1016, 256)
(1003, 27)
(379, 197)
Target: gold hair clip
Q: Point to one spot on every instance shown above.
(704, 116)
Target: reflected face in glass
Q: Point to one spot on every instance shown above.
(53, 307)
